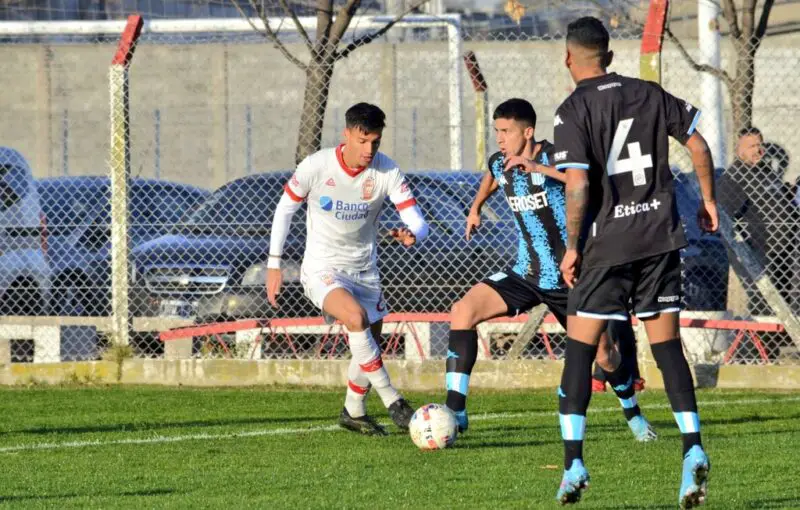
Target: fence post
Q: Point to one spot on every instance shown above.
(119, 169)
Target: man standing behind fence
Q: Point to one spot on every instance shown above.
(345, 188)
(623, 238)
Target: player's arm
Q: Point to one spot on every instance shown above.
(682, 120)
(707, 215)
(572, 157)
(402, 197)
(530, 166)
(294, 193)
(550, 171)
(487, 188)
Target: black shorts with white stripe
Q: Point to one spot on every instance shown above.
(648, 286)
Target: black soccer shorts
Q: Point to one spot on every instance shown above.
(647, 286)
(520, 295)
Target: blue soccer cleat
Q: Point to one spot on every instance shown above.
(462, 420)
(642, 430)
(695, 473)
(575, 481)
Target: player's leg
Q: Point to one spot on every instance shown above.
(319, 285)
(598, 380)
(600, 295)
(494, 297)
(367, 292)
(618, 372)
(657, 302)
(358, 384)
(625, 340)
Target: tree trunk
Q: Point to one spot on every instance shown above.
(315, 103)
(743, 86)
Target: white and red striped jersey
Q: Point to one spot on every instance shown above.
(343, 207)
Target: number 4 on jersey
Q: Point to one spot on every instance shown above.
(636, 162)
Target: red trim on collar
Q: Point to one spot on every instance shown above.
(352, 172)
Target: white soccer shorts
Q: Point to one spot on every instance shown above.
(365, 286)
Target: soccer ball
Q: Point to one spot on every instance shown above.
(433, 427)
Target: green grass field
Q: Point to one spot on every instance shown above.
(151, 447)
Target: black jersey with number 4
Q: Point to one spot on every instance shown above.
(617, 129)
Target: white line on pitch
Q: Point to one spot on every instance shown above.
(334, 428)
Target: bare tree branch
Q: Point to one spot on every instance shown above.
(268, 33)
(300, 29)
(705, 68)
(361, 41)
(324, 21)
(748, 18)
(342, 21)
(729, 11)
(762, 23)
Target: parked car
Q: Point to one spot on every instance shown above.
(24, 272)
(215, 266)
(78, 211)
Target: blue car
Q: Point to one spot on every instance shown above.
(78, 212)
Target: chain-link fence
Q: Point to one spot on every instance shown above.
(217, 112)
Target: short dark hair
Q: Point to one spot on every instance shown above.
(366, 117)
(588, 32)
(516, 109)
(752, 130)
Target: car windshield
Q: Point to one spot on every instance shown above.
(247, 203)
(67, 204)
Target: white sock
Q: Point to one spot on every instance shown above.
(366, 353)
(357, 389)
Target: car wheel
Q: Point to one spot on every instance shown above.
(23, 298)
(72, 297)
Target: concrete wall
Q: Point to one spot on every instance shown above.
(416, 376)
(55, 101)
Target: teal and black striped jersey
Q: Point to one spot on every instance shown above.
(538, 204)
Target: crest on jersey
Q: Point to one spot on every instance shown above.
(404, 187)
(327, 279)
(368, 188)
(330, 182)
(537, 179)
(294, 181)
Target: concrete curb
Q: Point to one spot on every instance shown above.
(409, 375)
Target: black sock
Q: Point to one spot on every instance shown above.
(574, 395)
(625, 338)
(680, 389)
(621, 381)
(462, 351)
(599, 373)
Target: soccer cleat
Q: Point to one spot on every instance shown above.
(462, 420)
(363, 424)
(400, 413)
(575, 481)
(638, 385)
(642, 430)
(598, 386)
(695, 473)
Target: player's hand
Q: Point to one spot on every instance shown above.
(403, 236)
(708, 217)
(473, 223)
(570, 266)
(526, 164)
(274, 282)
